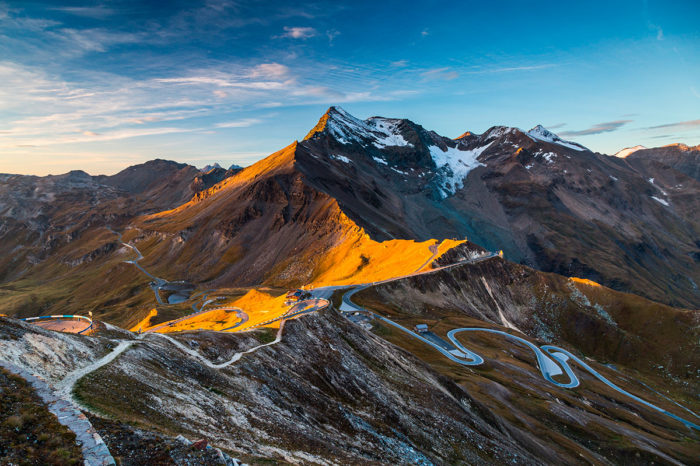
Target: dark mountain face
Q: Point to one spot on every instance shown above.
(546, 202)
(342, 393)
(678, 157)
(552, 204)
(41, 215)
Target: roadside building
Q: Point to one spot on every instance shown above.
(421, 328)
(295, 295)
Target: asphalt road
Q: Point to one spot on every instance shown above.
(551, 360)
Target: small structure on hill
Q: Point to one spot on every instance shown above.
(297, 295)
(421, 328)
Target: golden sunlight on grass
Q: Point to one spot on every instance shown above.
(146, 322)
(584, 281)
(216, 319)
(257, 305)
(365, 260)
(260, 307)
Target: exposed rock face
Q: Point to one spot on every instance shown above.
(327, 392)
(678, 157)
(209, 178)
(546, 202)
(605, 324)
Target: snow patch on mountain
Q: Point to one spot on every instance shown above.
(661, 201)
(208, 168)
(651, 180)
(548, 156)
(628, 150)
(387, 133)
(454, 165)
(342, 158)
(380, 132)
(541, 133)
(500, 131)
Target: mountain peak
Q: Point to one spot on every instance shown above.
(628, 150)
(208, 168)
(541, 133)
(346, 129)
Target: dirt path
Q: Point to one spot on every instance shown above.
(235, 357)
(95, 452)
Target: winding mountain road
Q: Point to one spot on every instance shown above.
(551, 360)
(156, 282)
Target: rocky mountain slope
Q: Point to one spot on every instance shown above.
(676, 157)
(331, 392)
(361, 201)
(335, 196)
(546, 202)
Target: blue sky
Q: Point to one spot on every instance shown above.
(99, 86)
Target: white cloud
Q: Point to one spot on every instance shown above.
(97, 12)
(239, 123)
(439, 73)
(332, 34)
(269, 70)
(299, 32)
(399, 63)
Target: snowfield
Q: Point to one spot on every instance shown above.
(454, 165)
(661, 201)
(383, 132)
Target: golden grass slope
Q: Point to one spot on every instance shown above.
(364, 260)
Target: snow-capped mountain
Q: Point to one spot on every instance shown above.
(208, 168)
(334, 203)
(543, 134)
(546, 202)
(628, 150)
(521, 191)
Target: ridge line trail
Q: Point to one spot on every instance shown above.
(65, 386)
(235, 357)
(434, 248)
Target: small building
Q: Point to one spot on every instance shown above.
(421, 328)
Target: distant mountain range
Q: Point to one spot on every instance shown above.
(359, 202)
(629, 223)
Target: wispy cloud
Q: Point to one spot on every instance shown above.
(97, 12)
(445, 74)
(399, 63)
(332, 34)
(269, 70)
(508, 69)
(245, 123)
(557, 126)
(658, 29)
(38, 108)
(681, 125)
(298, 32)
(599, 128)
